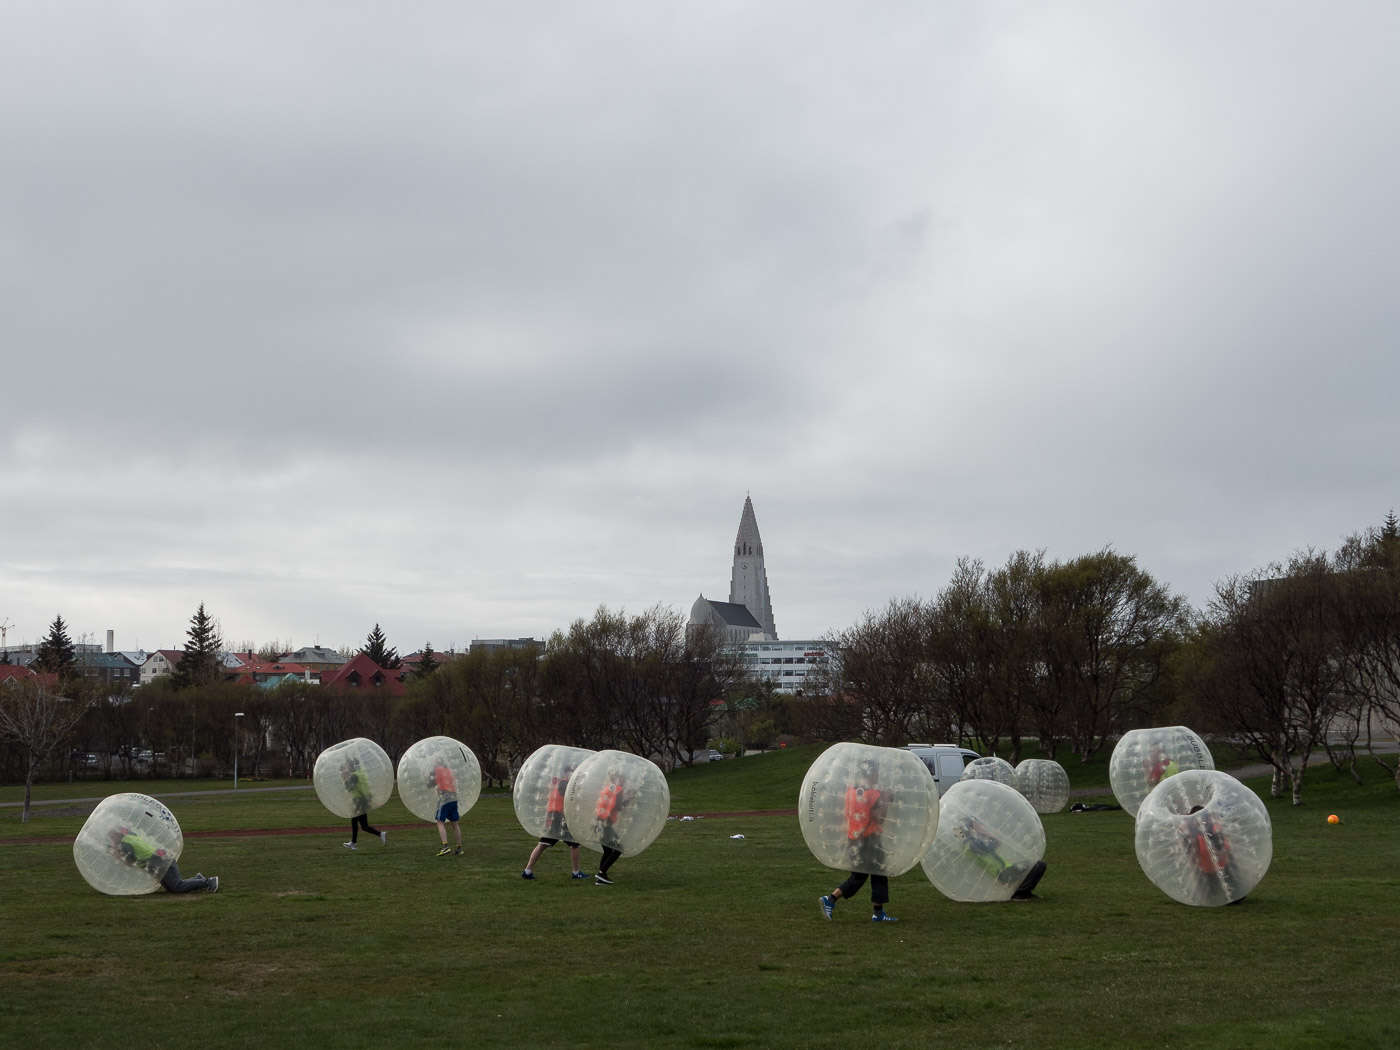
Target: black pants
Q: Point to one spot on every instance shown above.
(609, 855)
(879, 887)
(362, 821)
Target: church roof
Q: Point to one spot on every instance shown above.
(735, 615)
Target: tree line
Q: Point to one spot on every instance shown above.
(641, 683)
(1285, 660)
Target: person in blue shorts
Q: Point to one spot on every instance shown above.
(446, 785)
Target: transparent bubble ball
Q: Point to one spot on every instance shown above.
(353, 777)
(1143, 758)
(997, 769)
(128, 843)
(989, 837)
(541, 787)
(1044, 783)
(869, 809)
(1213, 856)
(436, 770)
(617, 800)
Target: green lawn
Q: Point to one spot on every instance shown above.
(704, 941)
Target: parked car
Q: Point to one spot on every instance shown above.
(715, 756)
(944, 761)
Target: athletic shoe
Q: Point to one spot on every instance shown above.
(444, 851)
(459, 851)
(579, 875)
(530, 875)
(826, 904)
(212, 886)
(384, 837)
(880, 916)
(602, 880)
(348, 845)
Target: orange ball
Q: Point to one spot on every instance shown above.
(1334, 819)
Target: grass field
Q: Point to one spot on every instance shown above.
(705, 941)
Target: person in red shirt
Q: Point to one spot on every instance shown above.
(865, 816)
(554, 827)
(610, 802)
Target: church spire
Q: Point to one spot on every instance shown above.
(748, 584)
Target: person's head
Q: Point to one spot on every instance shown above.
(868, 771)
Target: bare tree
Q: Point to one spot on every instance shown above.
(38, 722)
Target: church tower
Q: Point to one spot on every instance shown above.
(748, 584)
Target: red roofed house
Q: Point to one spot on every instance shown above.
(261, 672)
(360, 672)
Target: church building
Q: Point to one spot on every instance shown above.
(748, 615)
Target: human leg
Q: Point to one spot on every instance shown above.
(535, 855)
(609, 855)
(173, 883)
(1028, 884)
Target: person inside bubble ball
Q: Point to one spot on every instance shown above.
(1159, 765)
(447, 813)
(865, 812)
(142, 853)
(985, 849)
(361, 796)
(610, 801)
(554, 826)
(1209, 848)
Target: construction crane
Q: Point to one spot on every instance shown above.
(4, 631)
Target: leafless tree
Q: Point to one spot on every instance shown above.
(38, 722)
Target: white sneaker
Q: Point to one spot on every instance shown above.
(348, 845)
(384, 837)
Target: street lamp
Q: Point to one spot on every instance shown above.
(236, 716)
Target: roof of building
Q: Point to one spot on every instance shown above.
(273, 669)
(105, 660)
(733, 614)
(361, 670)
(315, 654)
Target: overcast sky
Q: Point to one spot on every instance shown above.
(465, 319)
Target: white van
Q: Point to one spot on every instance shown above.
(944, 761)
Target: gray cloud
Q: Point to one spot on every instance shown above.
(465, 320)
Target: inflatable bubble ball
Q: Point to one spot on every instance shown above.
(541, 787)
(127, 845)
(1203, 838)
(989, 838)
(869, 809)
(618, 801)
(997, 769)
(1143, 758)
(1044, 783)
(353, 777)
(435, 771)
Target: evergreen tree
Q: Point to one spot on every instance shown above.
(378, 649)
(428, 664)
(57, 654)
(200, 664)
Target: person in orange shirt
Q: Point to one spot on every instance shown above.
(554, 827)
(865, 815)
(610, 801)
(447, 811)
